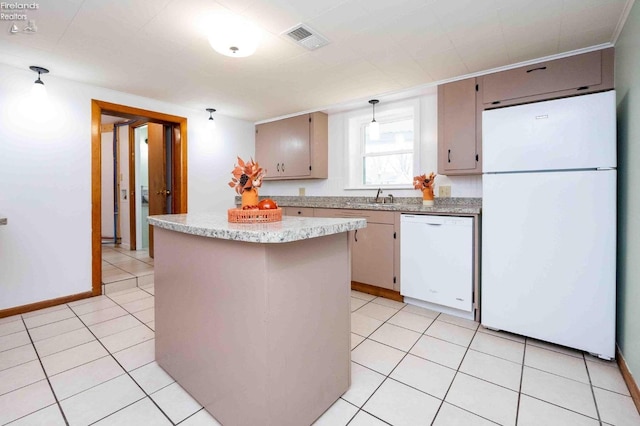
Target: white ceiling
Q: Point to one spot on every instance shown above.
(159, 48)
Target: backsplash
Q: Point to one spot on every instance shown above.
(461, 186)
(331, 201)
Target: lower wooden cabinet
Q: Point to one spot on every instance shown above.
(373, 257)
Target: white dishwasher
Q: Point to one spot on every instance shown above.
(436, 263)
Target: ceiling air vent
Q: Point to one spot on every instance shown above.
(306, 37)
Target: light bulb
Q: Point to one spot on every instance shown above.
(38, 91)
(374, 130)
(211, 123)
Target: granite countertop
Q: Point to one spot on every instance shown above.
(289, 229)
(3, 220)
(448, 205)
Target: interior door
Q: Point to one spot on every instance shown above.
(157, 175)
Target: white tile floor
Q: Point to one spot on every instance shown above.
(123, 269)
(92, 362)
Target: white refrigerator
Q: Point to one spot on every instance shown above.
(549, 221)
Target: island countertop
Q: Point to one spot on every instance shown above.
(290, 229)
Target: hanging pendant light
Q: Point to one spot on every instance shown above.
(38, 91)
(374, 126)
(211, 122)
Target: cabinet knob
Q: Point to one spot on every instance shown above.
(282, 167)
(278, 167)
(449, 156)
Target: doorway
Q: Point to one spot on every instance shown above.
(167, 189)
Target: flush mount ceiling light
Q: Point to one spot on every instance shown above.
(38, 90)
(374, 126)
(233, 36)
(211, 121)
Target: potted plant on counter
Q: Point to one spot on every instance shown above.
(425, 184)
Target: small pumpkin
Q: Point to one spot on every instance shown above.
(267, 204)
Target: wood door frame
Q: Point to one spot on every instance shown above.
(179, 165)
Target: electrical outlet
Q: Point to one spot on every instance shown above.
(444, 191)
(301, 192)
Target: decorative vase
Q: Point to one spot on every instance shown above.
(427, 196)
(250, 197)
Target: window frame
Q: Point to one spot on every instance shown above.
(355, 135)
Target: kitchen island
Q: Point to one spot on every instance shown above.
(253, 320)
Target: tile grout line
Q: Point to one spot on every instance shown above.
(133, 314)
(556, 375)
(388, 376)
(46, 375)
(385, 376)
(442, 401)
(128, 374)
(593, 393)
(524, 354)
(454, 377)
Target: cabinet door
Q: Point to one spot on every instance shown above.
(457, 132)
(268, 148)
(294, 146)
(574, 72)
(372, 255)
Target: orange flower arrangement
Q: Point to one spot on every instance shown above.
(246, 175)
(423, 182)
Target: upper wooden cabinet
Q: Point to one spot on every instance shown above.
(294, 148)
(460, 103)
(459, 136)
(574, 75)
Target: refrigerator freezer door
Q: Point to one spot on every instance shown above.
(563, 134)
(548, 257)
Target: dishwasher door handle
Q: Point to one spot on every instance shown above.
(433, 224)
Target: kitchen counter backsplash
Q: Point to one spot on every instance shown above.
(408, 204)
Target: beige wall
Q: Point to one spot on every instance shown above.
(628, 94)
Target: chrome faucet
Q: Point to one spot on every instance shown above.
(378, 194)
(390, 197)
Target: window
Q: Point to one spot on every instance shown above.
(390, 161)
